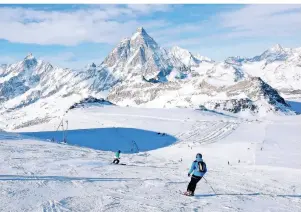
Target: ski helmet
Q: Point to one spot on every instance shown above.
(199, 155)
(119, 151)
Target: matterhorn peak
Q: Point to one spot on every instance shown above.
(140, 37)
(29, 57)
(30, 61)
(141, 30)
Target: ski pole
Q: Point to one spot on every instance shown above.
(209, 185)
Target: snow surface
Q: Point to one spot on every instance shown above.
(263, 175)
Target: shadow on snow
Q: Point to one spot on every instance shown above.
(247, 194)
(296, 106)
(128, 140)
(59, 178)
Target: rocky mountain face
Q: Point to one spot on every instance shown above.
(248, 94)
(245, 93)
(141, 58)
(138, 72)
(90, 101)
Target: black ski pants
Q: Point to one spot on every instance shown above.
(116, 161)
(192, 185)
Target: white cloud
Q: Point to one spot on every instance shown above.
(69, 60)
(110, 23)
(252, 21)
(106, 24)
(148, 8)
(63, 56)
(263, 20)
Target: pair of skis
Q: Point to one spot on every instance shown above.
(119, 164)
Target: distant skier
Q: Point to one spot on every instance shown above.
(117, 157)
(198, 168)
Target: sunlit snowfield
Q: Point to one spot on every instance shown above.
(263, 175)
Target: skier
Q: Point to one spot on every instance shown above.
(198, 168)
(117, 157)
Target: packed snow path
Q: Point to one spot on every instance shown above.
(45, 176)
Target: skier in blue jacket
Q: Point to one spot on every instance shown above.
(198, 170)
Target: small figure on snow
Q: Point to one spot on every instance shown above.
(117, 157)
(198, 168)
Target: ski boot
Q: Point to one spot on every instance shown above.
(188, 193)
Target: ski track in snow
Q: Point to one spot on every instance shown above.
(212, 133)
(50, 177)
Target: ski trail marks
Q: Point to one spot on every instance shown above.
(206, 133)
(54, 206)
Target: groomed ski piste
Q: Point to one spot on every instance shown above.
(158, 147)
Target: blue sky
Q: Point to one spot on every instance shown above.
(75, 35)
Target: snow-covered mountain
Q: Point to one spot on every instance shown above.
(220, 90)
(278, 66)
(204, 83)
(138, 72)
(198, 64)
(188, 58)
(36, 90)
(30, 80)
(140, 57)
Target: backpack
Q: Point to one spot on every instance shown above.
(201, 166)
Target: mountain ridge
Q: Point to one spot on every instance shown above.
(138, 72)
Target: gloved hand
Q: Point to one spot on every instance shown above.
(188, 175)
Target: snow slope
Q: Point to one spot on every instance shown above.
(263, 175)
(188, 58)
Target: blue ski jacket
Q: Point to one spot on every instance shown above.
(195, 168)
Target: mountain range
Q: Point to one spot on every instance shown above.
(140, 73)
